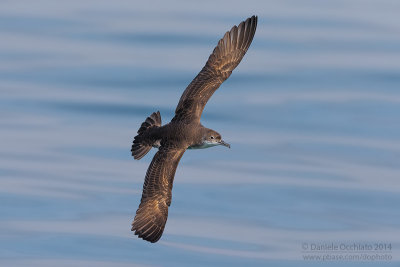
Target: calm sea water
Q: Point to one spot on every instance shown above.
(312, 114)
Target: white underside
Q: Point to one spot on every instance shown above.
(204, 145)
(157, 144)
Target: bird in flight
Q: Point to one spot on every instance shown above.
(184, 131)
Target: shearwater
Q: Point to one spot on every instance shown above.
(184, 131)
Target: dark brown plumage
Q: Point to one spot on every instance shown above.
(223, 60)
(153, 209)
(184, 131)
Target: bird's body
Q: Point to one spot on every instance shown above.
(184, 131)
(182, 135)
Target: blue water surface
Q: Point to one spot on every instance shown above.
(312, 114)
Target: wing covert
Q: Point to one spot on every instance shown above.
(152, 214)
(223, 60)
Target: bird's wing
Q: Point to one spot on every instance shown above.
(152, 213)
(224, 59)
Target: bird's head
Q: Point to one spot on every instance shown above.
(213, 138)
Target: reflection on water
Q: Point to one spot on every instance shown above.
(312, 114)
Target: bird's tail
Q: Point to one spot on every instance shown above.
(140, 145)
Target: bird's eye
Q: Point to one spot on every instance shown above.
(212, 137)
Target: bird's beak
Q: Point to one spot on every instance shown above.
(222, 143)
